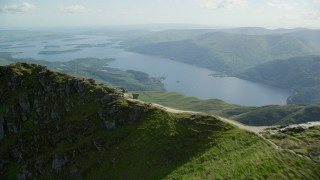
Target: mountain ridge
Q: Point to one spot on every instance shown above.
(58, 126)
(222, 50)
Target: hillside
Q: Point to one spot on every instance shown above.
(300, 74)
(230, 50)
(249, 115)
(301, 139)
(180, 101)
(55, 126)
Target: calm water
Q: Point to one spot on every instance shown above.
(180, 77)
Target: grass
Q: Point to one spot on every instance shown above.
(180, 101)
(257, 116)
(238, 155)
(304, 142)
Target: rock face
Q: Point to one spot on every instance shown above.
(135, 96)
(47, 111)
(58, 163)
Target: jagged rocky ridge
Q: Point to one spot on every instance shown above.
(44, 96)
(37, 103)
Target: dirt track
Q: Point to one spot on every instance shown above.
(255, 129)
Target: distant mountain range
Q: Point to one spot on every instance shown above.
(230, 50)
(245, 52)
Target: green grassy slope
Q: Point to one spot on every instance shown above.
(57, 126)
(302, 141)
(259, 116)
(180, 101)
(231, 162)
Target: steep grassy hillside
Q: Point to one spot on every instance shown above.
(299, 73)
(55, 126)
(227, 50)
(257, 116)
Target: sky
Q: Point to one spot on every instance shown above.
(220, 13)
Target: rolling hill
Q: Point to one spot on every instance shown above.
(300, 74)
(230, 50)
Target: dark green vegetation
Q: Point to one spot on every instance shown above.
(300, 74)
(227, 50)
(304, 141)
(59, 52)
(57, 126)
(98, 69)
(257, 116)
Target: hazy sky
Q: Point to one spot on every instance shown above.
(231, 13)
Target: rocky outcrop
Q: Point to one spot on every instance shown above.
(58, 163)
(44, 111)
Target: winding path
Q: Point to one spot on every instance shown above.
(255, 129)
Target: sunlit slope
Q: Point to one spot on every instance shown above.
(256, 116)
